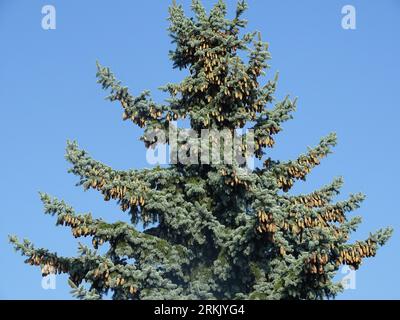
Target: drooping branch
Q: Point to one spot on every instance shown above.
(287, 172)
(142, 110)
(130, 188)
(127, 240)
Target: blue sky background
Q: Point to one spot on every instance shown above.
(346, 80)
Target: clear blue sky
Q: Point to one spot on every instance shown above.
(346, 80)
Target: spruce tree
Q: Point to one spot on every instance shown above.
(210, 231)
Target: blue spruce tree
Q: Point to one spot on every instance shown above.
(211, 231)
